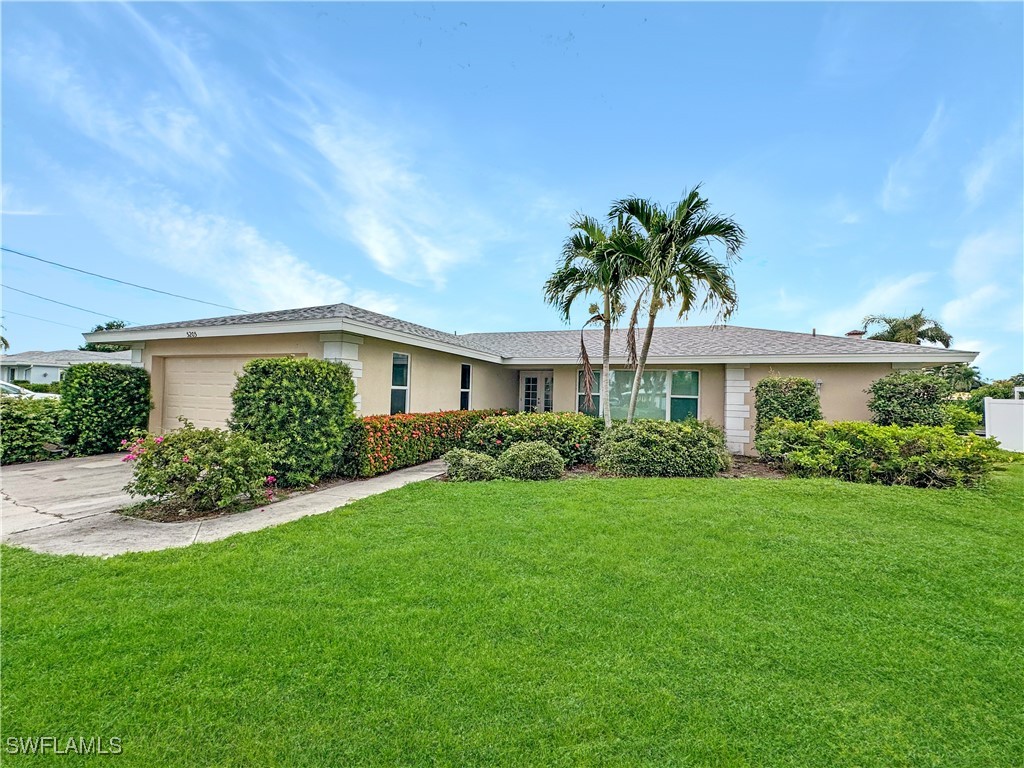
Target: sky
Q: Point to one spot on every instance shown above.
(424, 160)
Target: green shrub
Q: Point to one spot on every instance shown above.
(52, 387)
(531, 461)
(1001, 390)
(574, 435)
(469, 466)
(302, 409)
(786, 397)
(200, 469)
(103, 403)
(905, 398)
(650, 448)
(26, 427)
(380, 444)
(920, 456)
(962, 421)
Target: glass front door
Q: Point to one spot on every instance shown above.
(536, 391)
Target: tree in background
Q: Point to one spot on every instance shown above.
(912, 329)
(960, 376)
(678, 266)
(113, 325)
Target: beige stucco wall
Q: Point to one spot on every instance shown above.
(434, 379)
(843, 385)
(710, 404)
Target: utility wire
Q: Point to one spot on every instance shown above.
(122, 282)
(54, 301)
(43, 319)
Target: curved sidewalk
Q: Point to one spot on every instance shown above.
(67, 508)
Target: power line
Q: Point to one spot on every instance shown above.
(122, 282)
(54, 301)
(42, 319)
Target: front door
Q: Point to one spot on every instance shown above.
(536, 391)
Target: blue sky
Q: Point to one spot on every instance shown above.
(423, 160)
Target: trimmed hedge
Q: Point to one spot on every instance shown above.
(26, 426)
(300, 408)
(905, 398)
(468, 466)
(379, 444)
(648, 448)
(574, 435)
(52, 387)
(103, 404)
(919, 456)
(786, 397)
(200, 469)
(531, 461)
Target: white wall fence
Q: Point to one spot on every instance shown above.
(1004, 420)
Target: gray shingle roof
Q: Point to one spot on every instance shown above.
(65, 357)
(675, 341)
(690, 341)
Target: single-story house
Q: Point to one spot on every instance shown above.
(48, 367)
(400, 367)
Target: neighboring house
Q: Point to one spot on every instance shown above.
(702, 371)
(48, 367)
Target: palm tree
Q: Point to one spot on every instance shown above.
(4, 343)
(961, 376)
(601, 262)
(678, 265)
(912, 329)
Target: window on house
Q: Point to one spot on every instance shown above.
(399, 383)
(465, 387)
(662, 395)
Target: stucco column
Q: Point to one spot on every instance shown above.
(344, 348)
(737, 412)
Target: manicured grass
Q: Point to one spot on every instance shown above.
(589, 622)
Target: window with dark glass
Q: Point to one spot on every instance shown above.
(465, 387)
(399, 383)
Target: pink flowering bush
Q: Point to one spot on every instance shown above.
(200, 469)
(381, 444)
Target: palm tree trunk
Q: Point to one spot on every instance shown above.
(606, 351)
(642, 360)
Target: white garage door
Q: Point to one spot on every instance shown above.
(199, 388)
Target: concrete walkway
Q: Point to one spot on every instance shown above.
(67, 508)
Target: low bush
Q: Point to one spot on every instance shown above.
(574, 435)
(786, 397)
(905, 398)
(919, 456)
(52, 387)
(302, 409)
(200, 469)
(531, 461)
(963, 421)
(663, 449)
(27, 427)
(379, 444)
(103, 403)
(469, 466)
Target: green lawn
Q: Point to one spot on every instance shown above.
(588, 622)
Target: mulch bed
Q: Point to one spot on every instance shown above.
(748, 466)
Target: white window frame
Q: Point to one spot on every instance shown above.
(468, 392)
(408, 380)
(668, 389)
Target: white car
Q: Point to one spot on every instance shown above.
(13, 390)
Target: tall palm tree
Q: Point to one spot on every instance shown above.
(595, 261)
(961, 376)
(912, 329)
(678, 266)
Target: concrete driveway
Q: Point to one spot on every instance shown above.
(68, 507)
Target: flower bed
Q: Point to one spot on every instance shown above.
(381, 444)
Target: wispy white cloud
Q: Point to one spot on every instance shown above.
(1002, 153)
(984, 256)
(907, 172)
(255, 272)
(888, 296)
(973, 307)
(840, 210)
(12, 205)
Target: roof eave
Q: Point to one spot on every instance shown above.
(943, 358)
